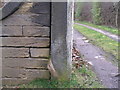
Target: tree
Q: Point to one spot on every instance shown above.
(78, 10)
(96, 13)
(118, 16)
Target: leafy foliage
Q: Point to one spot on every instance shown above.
(78, 10)
(96, 13)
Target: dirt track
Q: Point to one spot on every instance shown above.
(112, 36)
(105, 70)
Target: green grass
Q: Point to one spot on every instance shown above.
(87, 78)
(106, 43)
(80, 78)
(109, 29)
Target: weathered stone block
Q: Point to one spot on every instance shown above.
(29, 76)
(13, 73)
(40, 7)
(15, 52)
(24, 9)
(14, 81)
(9, 8)
(24, 73)
(25, 41)
(33, 74)
(25, 63)
(36, 31)
(41, 19)
(11, 31)
(23, 20)
(43, 52)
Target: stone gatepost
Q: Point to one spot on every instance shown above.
(61, 38)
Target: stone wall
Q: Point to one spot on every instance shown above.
(26, 44)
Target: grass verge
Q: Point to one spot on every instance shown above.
(109, 29)
(80, 78)
(100, 40)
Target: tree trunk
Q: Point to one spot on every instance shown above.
(118, 16)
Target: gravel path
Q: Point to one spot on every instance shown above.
(112, 36)
(104, 69)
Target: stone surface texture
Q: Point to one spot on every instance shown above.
(26, 44)
(26, 38)
(61, 38)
